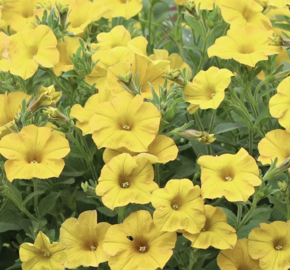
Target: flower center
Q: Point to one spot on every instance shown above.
(93, 248)
(203, 230)
(212, 95)
(278, 247)
(125, 1)
(125, 185)
(143, 249)
(175, 206)
(33, 162)
(228, 178)
(126, 127)
(46, 254)
(5, 54)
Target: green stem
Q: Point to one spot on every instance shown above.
(251, 140)
(157, 173)
(248, 215)
(36, 198)
(179, 20)
(240, 213)
(197, 119)
(150, 14)
(258, 88)
(121, 213)
(212, 122)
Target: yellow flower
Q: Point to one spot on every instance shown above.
(178, 207)
(9, 106)
(238, 258)
(162, 150)
(66, 49)
(274, 146)
(122, 8)
(207, 90)
(247, 45)
(279, 104)
(216, 232)
(125, 122)
(274, 3)
(244, 12)
(146, 75)
(46, 96)
(270, 244)
(85, 114)
(107, 59)
(125, 180)
(38, 48)
(34, 152)
(137, 244)
(204, 4)
(232, 176)
(42, 254)
(83, 239)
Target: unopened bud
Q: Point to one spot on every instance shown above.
(62, 8)
(85, 186)
(190, 6)
(277, 40)
(282, 75)
(201, 136)
(174, 75)
(55, 114)
(285, 165)
(46, 5)
(261, 194)
(283, 186)
(210, 23)
(125, 78)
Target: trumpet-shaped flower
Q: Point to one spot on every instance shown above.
(239, 13)
(38, 48)
(84, 239)
(122, 8)
(279, 104)
(138, 244)
(274, 146)
(84, 114)
(125, 180)
(270, 244)
(162, 150)
(178, 207)
(237, 258)
(207, 90)
(247, 45)
(10, 105)
(216, 232)
(42, 254)
(125, 121)
(232, 176)
(34, 152)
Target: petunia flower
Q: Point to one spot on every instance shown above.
(83, 239)
(232, 176)
(239, 13)
(216, 232)
(279, 104)
(207, 89)
(122, 8)
(34, 152)
(274, 146)
(137, 244)
(125, 121)
(125, 180)
(237, 258)
(270, 244)
(247, 45)
(42, 254)
(178, 207)
(162, 150)
(10, 105)
(38, 48)
(84, 114)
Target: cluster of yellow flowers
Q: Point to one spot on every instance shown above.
(133, 85)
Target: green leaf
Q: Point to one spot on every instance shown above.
(32, 195)
(106, 211)
(278, 205)
(283, 26)
(225, 127)
(261, 213)
(47, 203)
(232, 219)
(245, 230)
(194, 24)
(9, 221)
(70, 73)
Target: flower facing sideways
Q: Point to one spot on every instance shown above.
(178, 207)
(34, 152)
(137, 244)
(83, 239)
(125, 121)
(232, 176)
(125, 180)
(42, 254)
(270, 244)
(216, 232)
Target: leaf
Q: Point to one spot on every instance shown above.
(106, 211)
(70, 73)
(225, 127)
(47, 203)
(9, 221)
(194, 24)
(281, 207)
(32, 195)
(245, 230)
(283, 26)
(262, 214)
(232, 219)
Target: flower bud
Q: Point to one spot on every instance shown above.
(277, 40)
(125, 78)
(201, 136)
(46, 96)
(55, 114)
(283, 186)
(190, 6)
(62, 8)
(174, 75)
(285, 165)
(46, 5)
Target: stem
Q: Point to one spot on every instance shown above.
(212, 121)
(35, 198)
(251, 139)
(157, 174)
(246, 217)
(180, 43)
(197, 119)
(121, 213)
(150, 26)
(240, 213)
